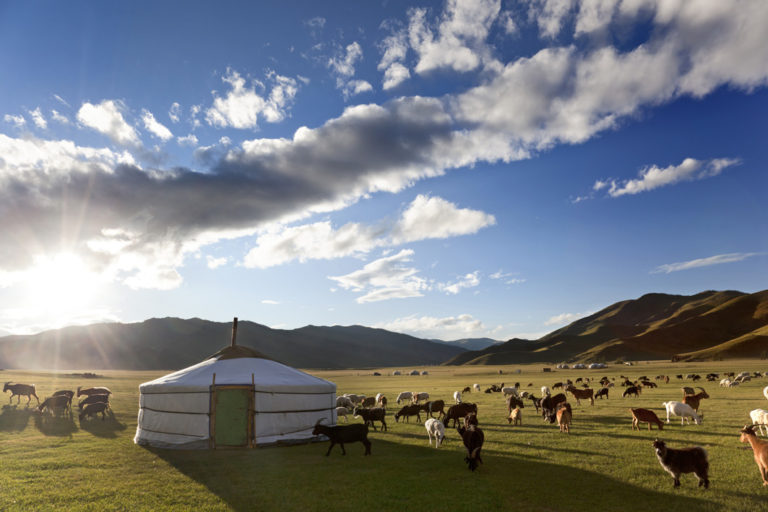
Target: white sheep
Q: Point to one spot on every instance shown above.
(342, 411)
(724, 383)
(545, 392)
(682, 410)
(405, 395)
(760, 418)
(437, 429)
(476, 387)
(343, 401)
(510, 391)
(457, 397)
(765, 392)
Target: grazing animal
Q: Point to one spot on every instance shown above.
(679, 377)
(645, 416)
(578, 394)
(648, 384)
(631, 390)
(379, 396)
(93, 409)
(688, 390)
(19, 390)
(549, 406)
(437, 406)
(602, 392)
(408, 411)
(476, 387)
(694, 400)
(417, 397)
(55, 404)
(473, 439)
(759, 419)
(68, 393)
(470, 419)
(765, 391)
(515, 416)
(342, 411)
(725, 383)
(368, 402)
(344, 401)
(343, 434)
(383, 402)
(466, 390)
(458, 411)
(512, 402)
(371, 415)
(405, 395)
(564, 416)
(436, 429)
(510, 391)
(685, 411)
(759, 449)
(559, 385)
(536, 402)
(92, 391)
(93, 399)
(356, 399)
(545, 391)
(683, 460)
(457, 397)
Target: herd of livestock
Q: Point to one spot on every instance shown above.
(60, 402)
(554, 408)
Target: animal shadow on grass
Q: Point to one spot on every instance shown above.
(55, 425)
(108, 427)
(14, 418)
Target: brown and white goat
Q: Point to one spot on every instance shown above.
(515, 416)
(578, 394)
(683, 460)
(564, 417)
(645, 416)
(759, 448)
(695, 400)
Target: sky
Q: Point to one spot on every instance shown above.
(467, 168)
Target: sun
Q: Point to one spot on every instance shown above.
(61, 284)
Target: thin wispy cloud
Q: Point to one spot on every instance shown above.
(718, 259)
(450, 327)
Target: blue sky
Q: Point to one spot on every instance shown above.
(445, 169)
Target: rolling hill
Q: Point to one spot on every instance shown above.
(171, 343)
(708, 325)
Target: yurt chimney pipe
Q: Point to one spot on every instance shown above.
(234, 331)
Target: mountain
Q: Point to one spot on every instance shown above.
(708, 325)
(172, 343)
(470, 343)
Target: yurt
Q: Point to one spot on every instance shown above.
(235, 398)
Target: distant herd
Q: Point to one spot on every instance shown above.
(554, 409)
(60, 402)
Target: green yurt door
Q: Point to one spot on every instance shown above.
(232, 417)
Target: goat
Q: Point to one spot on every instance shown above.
(383, 402)
(343, 434)
(473, 439)
(759, 419)
(688, 390)
(458, 411)
(405, 395)
(645, 416)
(476, 387)
(408, 411)
(512, 402)
(683, 460)
(578, 394)
(470, 419)
(602, 392)
(536, 402)
(420, 396)
(437, 429)
(379, 396)
(93, 409)
(685, 411)
(631, 390)
(54, 403)
(765, 391)
(510, 391)
(355, 399)
(344, 401)
(371, 415)
(467, 389)
(545, 391)
(437, 406)
(66, 392)
(457, 397)
(564, 416)
(515, 416)
(559, 385)
(93, 399)
(342, 411)
(368, 402)
(18, 390)
(694, 400)
(549, 406)
(648, 384)
(759, 449)
(92, 391)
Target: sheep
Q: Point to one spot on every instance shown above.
(455, 412)
(93, 409)
(476, 387)
(342, 411)
(93, 399)
(685, 411)
(437, 429)
(759, 418)
(510, 391)
(759, 449)
(602, 392)
(18, 390)
(473, 439)
(344, 401)
(54, 404)
(343, 434)
(645, 416)
(408, 411)
(405, 395)
(371, 415)
(695, 400)
(683, 460)
(631, 390)
(725, 383)
(417, 397)
(467, 389)
(545, 391)
(733, 383)
(437, 406)
(564, 416)
(457, 397)
(356, 399)
(515, 416)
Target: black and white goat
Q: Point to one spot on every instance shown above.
(683, 460)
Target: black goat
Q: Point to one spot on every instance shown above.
(93, 399)
(408, 411)
(437, 406)
(458, 411)
(512, 402)
(631, 390)
(602, 392)
(549, 406)
(473, 439)
(371, 415)
(536, 402)
(684, 460)
(94, 409)
(341, 434)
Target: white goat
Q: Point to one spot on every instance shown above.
(682, 410)
(545, 392)
(437, 429)
(457, 397)
(405, 395)
(760, 418)
(416, 397)
(476, 387)
(343, 401)
(378, 397)
(342, 411)
(724, 383)
(510, 391)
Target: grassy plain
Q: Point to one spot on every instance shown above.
(62, 464)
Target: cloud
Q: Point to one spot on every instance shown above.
(174, 113)
(216, 262)
(394, 51)
(316, 22)
(62, 100)
(384, 279)
(270, 302)
(451, 327)
(718, 259)
(654, 177)
(16, 121)
(425, 218)
(564, 318)
(242, 106)
(343, 66)
(38, 118)
(467, 281)
(154, 127)
(188, 140)
(59, 118)
(107, 118)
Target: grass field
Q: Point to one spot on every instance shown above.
(602, 465)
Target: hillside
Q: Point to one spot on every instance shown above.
(708, 325)
(170, 343)
(470, 343)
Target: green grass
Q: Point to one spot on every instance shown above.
(48, 464)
